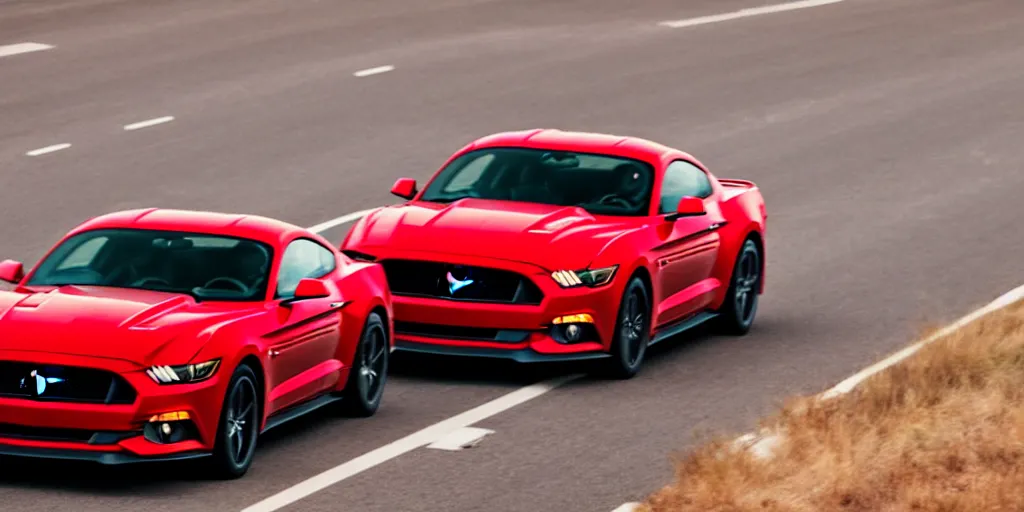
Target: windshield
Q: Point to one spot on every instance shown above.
(600, 184)
(207, 267)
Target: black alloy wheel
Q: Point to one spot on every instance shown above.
(365, 387)
(740, 307)
(632, 332)
(239, 426)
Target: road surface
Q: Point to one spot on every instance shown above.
(885, 136)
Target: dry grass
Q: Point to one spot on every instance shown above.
(942, 431)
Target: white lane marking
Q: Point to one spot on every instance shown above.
(149, 122)
(373, 71)
(324, 226)
(847, 385)
(762, 445)
(460, 439)
(48, 149)
(8, 50)
(745, 13)
(406, 444)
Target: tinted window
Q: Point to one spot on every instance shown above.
(682, 179)
(208, 267)
(302, 258)
(600, 184)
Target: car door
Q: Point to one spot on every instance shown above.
(688, 248)
(304, 343)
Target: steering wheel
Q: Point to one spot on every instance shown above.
(228, 280)
(150, 279)
(610, 199)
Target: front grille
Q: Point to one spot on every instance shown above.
(69, 435)
(453, 332)
(55, 383)
(431, 279)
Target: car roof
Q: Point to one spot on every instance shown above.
(583, 142)
(263, 229)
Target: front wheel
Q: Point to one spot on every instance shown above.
(740, 306)
(239, 426)
(365, 387)
(632, 332)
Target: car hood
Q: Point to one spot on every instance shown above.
(131, 325)
(551, 237)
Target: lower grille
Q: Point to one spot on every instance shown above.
(55, 383)
(68, 435)
(460, 282)
(452, 332)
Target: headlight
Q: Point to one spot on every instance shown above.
(590, 277)
(184, 374)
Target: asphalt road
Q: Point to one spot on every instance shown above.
(885, 135)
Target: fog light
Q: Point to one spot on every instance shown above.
(170, 427)
(572, 333)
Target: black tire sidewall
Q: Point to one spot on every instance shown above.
(735, 321)
(620, 347)
(355, 402)
(225, 463)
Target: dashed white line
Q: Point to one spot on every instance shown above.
(8, 50)
(746, 13)
(405, 445)
(48, 149)
(460, 439)
(373, 71)
(149, 122)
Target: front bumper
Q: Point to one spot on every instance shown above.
(110, 433)
(522, 333)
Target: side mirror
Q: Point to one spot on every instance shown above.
(404, 188)
(12, 271)
(308, 289)
(688, 207)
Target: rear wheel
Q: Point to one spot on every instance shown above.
(365, 387)
(632, 332)
(740, 306)
(239, 425)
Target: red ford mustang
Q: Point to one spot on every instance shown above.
(165, 335)
(547, 245)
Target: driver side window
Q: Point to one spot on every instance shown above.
(682, 179)
(303, 258)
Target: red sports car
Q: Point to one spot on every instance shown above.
(548, 245)
(164, 335)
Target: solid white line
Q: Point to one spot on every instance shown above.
(745, 13)
(324, 226)
(628, 507)
(405, 445)
(48, 149)
(460, 439)
(19, 48)
(374, 71)
(148, 123)
(847, 385)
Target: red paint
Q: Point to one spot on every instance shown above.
(126, 331)
(689, 263)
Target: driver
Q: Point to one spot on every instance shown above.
(631, 183)
(252, 264)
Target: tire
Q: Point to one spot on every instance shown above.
(238, 428)
(365, 387)
(737, 313)
(632, 332)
